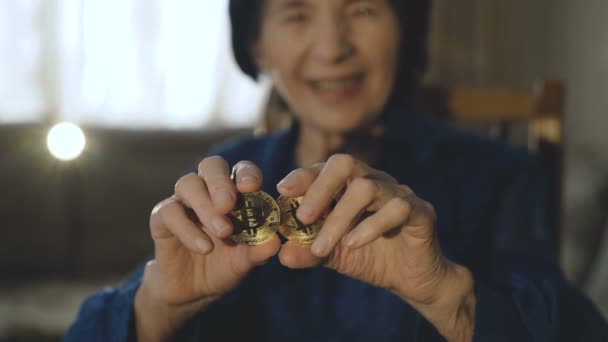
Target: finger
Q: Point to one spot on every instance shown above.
(377, 174)
(358, 196)
(260, 254)
(397, 213)
(248, 176)
(334, 176)
(298, 181)
(216, 173)
(158, 230)
(191, 190)
(295, 256)
(174, 218)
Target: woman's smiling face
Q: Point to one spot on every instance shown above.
(333, 61)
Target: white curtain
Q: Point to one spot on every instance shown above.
(123, 63)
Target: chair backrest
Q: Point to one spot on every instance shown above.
(541, 109)
(536, 115)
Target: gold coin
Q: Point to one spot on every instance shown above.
(255, 219)
(292, 228)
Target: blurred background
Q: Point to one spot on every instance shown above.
(153, 84)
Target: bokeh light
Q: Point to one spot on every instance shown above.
(66, 141)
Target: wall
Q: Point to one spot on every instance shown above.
(515, 43)
(97, 223)
(579, 51)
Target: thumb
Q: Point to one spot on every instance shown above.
(249, 257)
(260, 254)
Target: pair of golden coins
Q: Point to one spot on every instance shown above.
(258, 216)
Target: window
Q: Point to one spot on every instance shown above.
(123, 63)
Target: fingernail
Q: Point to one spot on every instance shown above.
(285, 183)
(249, 179)
(318, 247)
(305, 210)
(219, 226)
(202, 245)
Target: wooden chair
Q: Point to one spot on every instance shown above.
(533, 119)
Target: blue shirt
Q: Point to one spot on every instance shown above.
(491, 219)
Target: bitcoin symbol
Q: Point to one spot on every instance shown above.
(291, 227)
(253, 216)
(255, 219)
(299, 226)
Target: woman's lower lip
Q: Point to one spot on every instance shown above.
(336, 96)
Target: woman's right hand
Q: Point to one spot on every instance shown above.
(195, 260)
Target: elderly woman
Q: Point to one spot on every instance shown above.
(428, 232)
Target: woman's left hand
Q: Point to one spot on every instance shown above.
(379, 232)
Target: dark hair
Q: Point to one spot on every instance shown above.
(414, 16)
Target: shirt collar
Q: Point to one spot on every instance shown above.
(405, 128)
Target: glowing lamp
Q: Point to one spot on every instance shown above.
(66, 141)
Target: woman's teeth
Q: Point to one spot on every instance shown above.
(335, 85)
